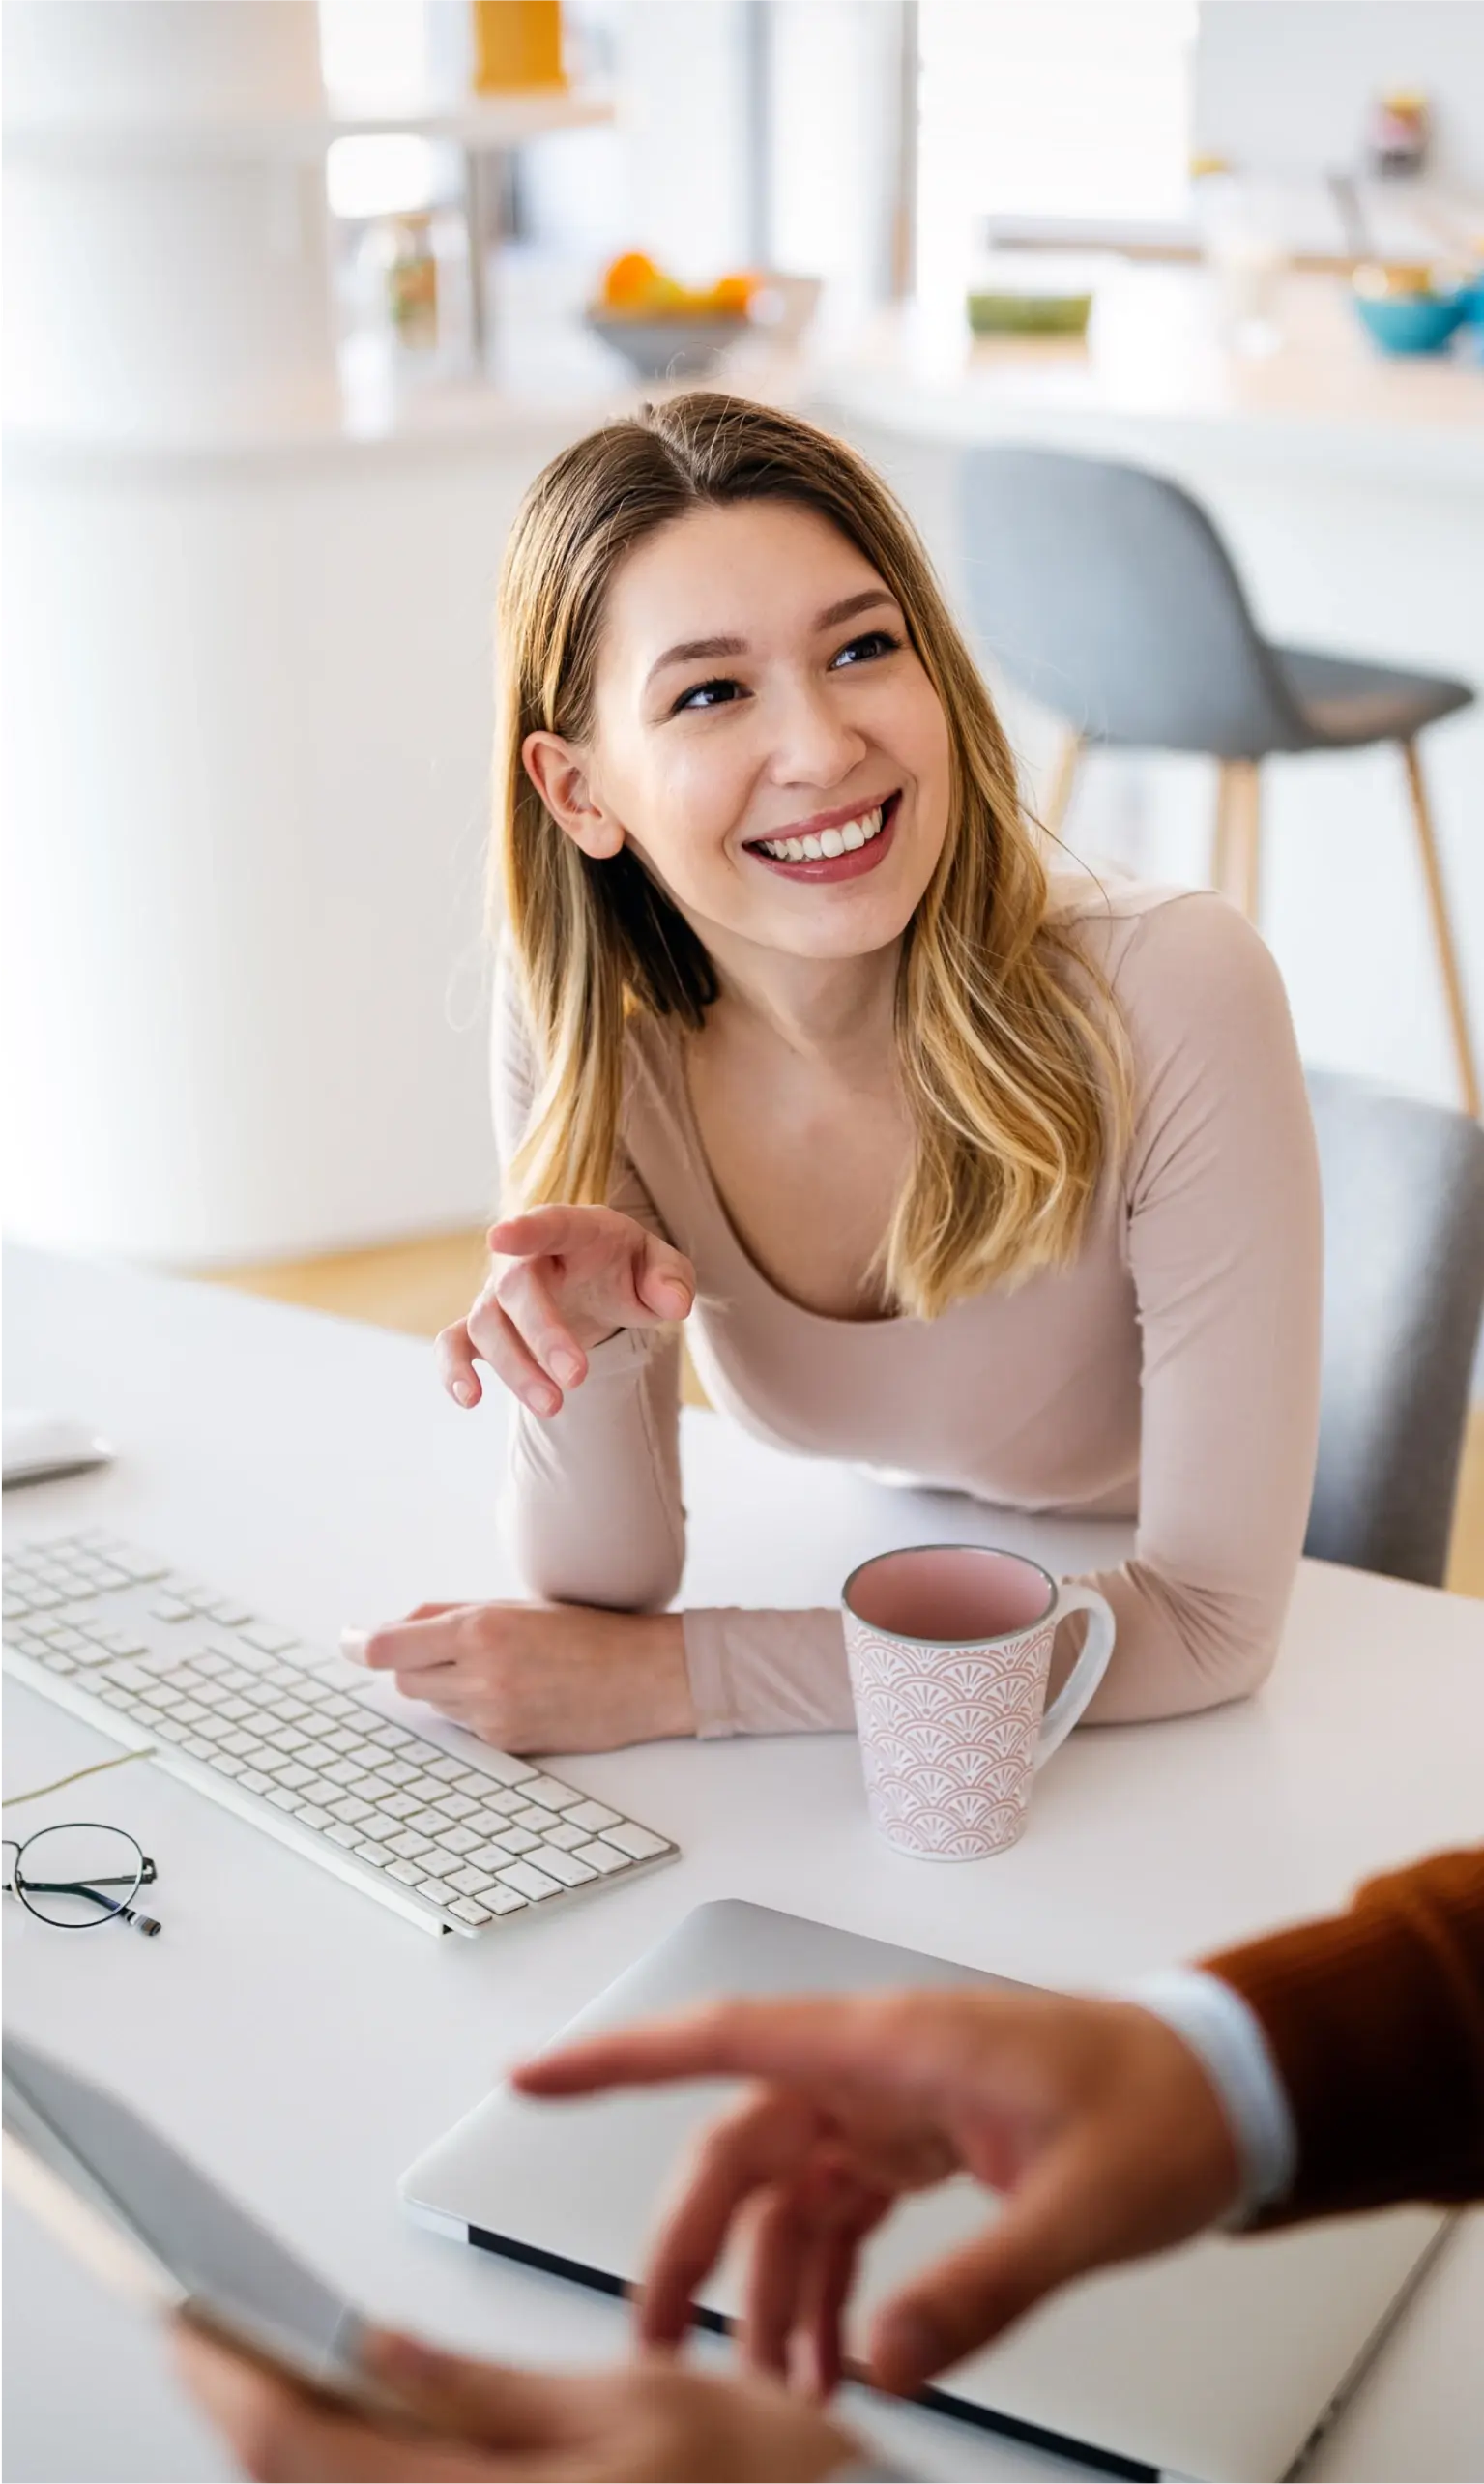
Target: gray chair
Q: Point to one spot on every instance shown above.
(1403, 1185)
(1106, 592)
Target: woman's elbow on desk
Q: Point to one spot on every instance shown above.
(1180, 1649)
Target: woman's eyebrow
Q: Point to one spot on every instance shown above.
(692, 650)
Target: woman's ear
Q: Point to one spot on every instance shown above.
(558, 769)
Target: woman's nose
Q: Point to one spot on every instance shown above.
(813, 743)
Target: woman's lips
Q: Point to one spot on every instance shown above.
(838, 866)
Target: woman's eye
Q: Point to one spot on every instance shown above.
(718, 693)
(875, 642)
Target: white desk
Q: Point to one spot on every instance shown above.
(303, 2045)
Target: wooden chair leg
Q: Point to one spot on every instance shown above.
(1063, 776)
(1443, 932)
(1237, 857)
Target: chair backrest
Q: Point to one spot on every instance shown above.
(1106, 592)
(1403, 1186)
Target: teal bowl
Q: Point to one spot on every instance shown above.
(1412, 323)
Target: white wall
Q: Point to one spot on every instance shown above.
(1287, 84)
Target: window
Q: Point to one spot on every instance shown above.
(1053, 112)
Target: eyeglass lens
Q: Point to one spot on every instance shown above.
(78, 1875)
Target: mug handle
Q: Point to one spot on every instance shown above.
(1087, 1671)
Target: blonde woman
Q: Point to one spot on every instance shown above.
(1000, 1181)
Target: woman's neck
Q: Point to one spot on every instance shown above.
(836, 1012)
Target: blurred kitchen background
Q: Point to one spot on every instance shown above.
(298, 299)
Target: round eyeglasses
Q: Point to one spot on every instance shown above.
(80, 1874)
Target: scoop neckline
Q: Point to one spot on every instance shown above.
(723, 1215)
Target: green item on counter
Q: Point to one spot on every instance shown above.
(1028, 315)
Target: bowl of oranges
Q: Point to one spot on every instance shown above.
(665, 330)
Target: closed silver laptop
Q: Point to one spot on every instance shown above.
(1222, 2360)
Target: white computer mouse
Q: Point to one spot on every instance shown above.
(37, 1446)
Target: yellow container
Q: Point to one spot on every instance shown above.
(516, 44)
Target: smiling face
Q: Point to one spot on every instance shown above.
(765, 736)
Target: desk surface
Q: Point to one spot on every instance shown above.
(315, 1466)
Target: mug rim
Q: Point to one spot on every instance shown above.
(991, 1639)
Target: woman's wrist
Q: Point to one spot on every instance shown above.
(660, 1655)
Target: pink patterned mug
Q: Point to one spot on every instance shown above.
(950, 1647)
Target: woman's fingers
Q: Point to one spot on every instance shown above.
(434, 1642)
(496, 1337)
(454, 1351)
(528, 1306)
(665, 1279)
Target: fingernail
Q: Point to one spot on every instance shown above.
(567, 1368)
(675, 1299)
(399, 2357)
(353, 1645)
(463, 1391)
(541, 1401)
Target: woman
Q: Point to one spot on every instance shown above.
(1002, 1182)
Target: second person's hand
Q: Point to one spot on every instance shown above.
(563, 1280)
(1095, 2122)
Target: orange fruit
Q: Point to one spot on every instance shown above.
(629, 281)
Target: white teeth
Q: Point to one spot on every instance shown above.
(828, 844)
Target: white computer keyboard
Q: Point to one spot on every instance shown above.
(244, 1711)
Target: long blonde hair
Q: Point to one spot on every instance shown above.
(1013, 1068)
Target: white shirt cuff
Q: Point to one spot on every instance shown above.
(1226, 2038)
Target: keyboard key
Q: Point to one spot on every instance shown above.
(311, 1817)
(563, 1866)
(440, 1891)
(343, 1836)
(517, 1841)
(548, 1790)
(593, 1815)
(196, 1748)
(295, 1775)
(469, 1911)
(254, 1781)
(474, 1781)
(457, 1806)
(395, 1771)
(400, 1806)
(458, 1841)
(565, 1837)
(535, 1816)
(282, 1799)
(531, 1883)
(502, 1901)
(230, 1611)
(470, 1881)
(639, 1842)
(450, 1771)
(431, 1789)
(226, 1767)
(408, 1873)
(267, 1640)
(371, 1852)
(604, 1859)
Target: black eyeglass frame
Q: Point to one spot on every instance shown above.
(110, 1910)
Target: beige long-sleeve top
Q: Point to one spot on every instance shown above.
(1170, 1375)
